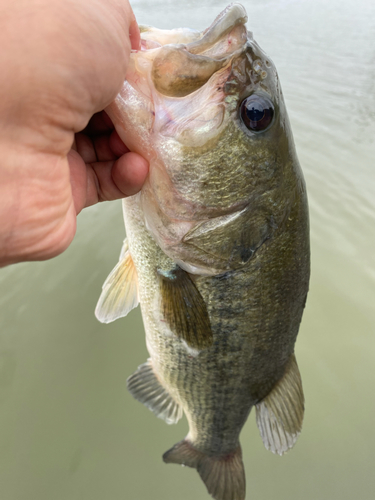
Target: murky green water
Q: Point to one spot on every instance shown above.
(68, 428)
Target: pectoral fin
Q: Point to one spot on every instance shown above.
(146, 388)
(184, 309)
(120, 290)
(279, 415)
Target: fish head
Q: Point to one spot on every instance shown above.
(206, 109)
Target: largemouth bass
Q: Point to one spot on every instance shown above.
(217, 248)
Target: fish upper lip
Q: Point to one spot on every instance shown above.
(229, 18)
(232, 16)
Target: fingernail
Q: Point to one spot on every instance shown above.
(135, 35)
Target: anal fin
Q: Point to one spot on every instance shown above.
(279, 415)
(120, 290)
(146, 388)
(184, 308)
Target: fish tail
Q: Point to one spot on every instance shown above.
(223, 475)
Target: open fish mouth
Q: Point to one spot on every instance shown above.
(184, 60)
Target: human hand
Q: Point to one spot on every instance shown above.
(62, 62)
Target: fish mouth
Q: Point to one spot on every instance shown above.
(179, 69)
(232, 16)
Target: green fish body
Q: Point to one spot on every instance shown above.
(217, 250)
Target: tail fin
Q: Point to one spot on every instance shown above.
(224, 476)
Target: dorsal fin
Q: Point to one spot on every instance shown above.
(184, 309)
(279, 415)
(120, 290)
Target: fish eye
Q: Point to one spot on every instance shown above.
(257, 112)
